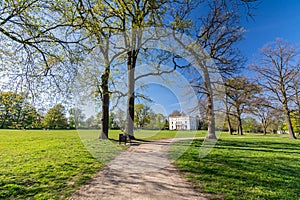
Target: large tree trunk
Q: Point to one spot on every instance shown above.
(288, 121)
(229, 125)
(105, 104)
(211, 119)
(286, 111)
(105, 91)
(130, 94)
(210, 106)
(264, 123)
(240, 124)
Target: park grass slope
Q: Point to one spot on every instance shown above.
(43, 164)
(243, 168)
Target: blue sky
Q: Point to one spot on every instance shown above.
(272, 19)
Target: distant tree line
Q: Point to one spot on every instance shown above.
(17, 113)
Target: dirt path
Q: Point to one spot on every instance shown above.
(142, 172)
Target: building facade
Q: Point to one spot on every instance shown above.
(182, 123)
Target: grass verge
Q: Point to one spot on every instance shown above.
(44, 164)
(243, 168)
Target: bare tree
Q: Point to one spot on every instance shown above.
(217, 33)
(176, 113)
(277, 70)
(240, 92)
(262, 108)
(228, 107)
(296, 87)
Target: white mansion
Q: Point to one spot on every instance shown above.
(182, 123)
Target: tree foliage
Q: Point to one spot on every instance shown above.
(16, 112)
(142, 115)
(55, 118)
(38, 47)
(76, 117)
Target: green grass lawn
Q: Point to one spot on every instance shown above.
(149, 135)
(248, 167)
(46, 164)
(53, 164)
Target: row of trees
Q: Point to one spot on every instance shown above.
(17, 112)
(52, 47)
(43, 54)
(274, 92)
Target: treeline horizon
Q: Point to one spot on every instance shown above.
(17, 113)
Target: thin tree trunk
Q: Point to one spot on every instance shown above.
(228, 117)
(264, 123)
(240, 125)
(297, 99)
(229, 125)
(288, 121)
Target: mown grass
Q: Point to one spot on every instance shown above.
(45, 164)
(149, 135)
(248, 167)
(53, 164)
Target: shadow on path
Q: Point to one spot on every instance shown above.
(142, 172)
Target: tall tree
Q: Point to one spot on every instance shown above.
(55, 118)
(218, 30)
(240, 92)
(137, 15)
(142, 115)
(277, 70)
(262, 109)
(11, 105)
(29, 117)
(76, 117)
(101, 20)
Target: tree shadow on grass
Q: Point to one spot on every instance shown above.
(245, 169)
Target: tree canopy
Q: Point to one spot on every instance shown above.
(55, 118)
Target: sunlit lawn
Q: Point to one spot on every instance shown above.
(53, 164)
(165, 134)
(248, 167)
(46, 164)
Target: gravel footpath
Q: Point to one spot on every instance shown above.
(144, 171)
